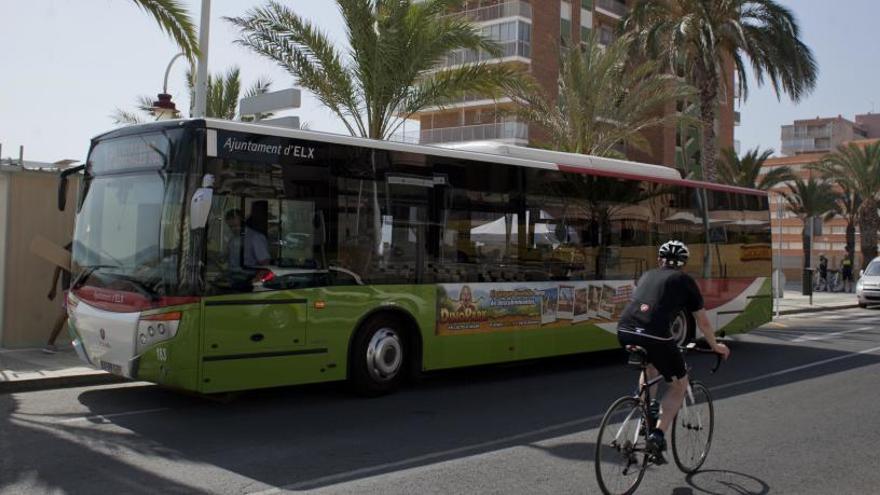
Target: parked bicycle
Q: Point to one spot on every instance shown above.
(621, 447)
(833, 283)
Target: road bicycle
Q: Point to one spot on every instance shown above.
(621, 447)
(834, 282)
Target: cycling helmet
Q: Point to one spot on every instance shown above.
(674, 253)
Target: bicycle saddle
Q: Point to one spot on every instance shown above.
(637, 355)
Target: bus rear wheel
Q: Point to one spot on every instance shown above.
(682, 328)
(379, 356)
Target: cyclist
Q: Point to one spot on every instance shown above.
(660, 295)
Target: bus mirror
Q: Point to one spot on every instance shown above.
(199, 207)
(62, 185)
(62, 192)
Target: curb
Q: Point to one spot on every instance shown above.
(816, 309)
(35, 384)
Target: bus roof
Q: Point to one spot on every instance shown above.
(484, 151)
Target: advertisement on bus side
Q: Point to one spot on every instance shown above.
(490, 307)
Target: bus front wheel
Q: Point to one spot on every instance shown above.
(379, 356)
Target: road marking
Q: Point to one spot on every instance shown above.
(824, 336)
(113, 415)
(421, 460)
(796, 368)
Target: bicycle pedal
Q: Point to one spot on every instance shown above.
(657, 459)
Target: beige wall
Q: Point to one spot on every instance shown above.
(31, 210)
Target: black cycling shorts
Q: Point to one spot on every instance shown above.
(663, 354)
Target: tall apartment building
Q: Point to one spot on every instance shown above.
(821, 135)
(531, 34)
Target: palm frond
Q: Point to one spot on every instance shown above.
(174, 19)
(123, 117)
(388, 70)
(605, 99)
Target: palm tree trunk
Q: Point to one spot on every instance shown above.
(708, 100)
(851, 242)
(869, 221)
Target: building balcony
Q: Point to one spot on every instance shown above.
(613, 8)
(508, 49)
(793, 146)
(498, 11)
(794, 132)
(511, 131)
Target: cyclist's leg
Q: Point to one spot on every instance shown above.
(671, 403)
(651, 373)
(669, 362)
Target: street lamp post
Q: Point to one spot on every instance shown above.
(164, 108)
(780, 210)
(201, 90)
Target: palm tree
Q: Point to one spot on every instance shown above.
(173, 18)
(847, 206)
(857, 169)
(808, 200)
(746, 171)
(605, 99)
(224, 92)
(388, 71)
(697, 38)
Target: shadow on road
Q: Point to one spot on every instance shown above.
(315, 436)
(722, 482)
(60, 459)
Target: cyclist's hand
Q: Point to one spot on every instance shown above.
(722, 349)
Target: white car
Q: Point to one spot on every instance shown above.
(868, 286)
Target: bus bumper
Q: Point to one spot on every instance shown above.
(103, 339)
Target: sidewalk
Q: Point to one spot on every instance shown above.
(31, 369)
(793, 302)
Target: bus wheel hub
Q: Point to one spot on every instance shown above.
(384, 355)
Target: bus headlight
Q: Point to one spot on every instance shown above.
(153, 329)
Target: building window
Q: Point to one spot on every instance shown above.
(585, 34)
(565, 22)
(606, 35)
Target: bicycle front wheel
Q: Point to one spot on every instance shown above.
(692, 429)
(620, 448)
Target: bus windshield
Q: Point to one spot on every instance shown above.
(128, 229)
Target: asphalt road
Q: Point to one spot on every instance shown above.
(796, 412)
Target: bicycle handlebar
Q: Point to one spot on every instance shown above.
(718, 358)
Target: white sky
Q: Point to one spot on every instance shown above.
(67, 64)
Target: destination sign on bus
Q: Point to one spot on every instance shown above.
(267, 149)
(144, 151)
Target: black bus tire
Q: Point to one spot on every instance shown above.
(379, 357)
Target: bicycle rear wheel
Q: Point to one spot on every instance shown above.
(692, 429)
(620, 448)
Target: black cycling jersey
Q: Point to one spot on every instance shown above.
(660, 295)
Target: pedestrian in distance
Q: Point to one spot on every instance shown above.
(823, 273)
(64, 275)
(846, 272)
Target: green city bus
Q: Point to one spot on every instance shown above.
(217, 256)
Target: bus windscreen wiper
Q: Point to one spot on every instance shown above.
(85, 274)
